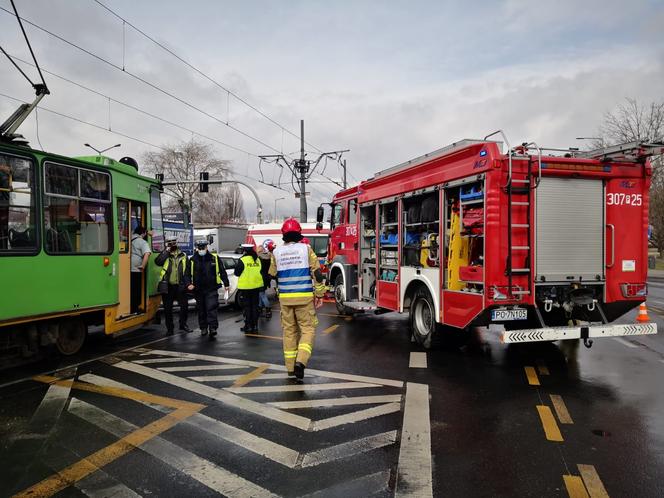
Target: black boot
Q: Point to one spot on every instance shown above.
(185, 328)
(213, 334)
(169, 332)
(299, 371)
(268, 313)
(204, 331)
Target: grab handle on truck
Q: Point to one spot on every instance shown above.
(509, 155)
(613, 245)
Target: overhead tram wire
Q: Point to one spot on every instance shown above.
(138, 109)
(124, 135)
(103, 128)
(204, 75)
(144, 81)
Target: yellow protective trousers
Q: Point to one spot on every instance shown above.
(298, 322)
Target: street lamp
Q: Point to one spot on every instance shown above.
(275, 207)
(100, 152)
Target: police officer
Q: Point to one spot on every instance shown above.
(301, 291)
(250, 284)
(205, 274)
(173, 264)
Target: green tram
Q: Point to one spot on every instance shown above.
(66, 226)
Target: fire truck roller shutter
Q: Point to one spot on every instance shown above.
(570, 229)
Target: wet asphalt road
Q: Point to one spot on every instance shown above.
(527, 420)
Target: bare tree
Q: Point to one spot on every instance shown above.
(631, 121)
(233, 204)
(184, 161)
(221, 205)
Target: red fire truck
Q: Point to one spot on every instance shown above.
(548, 244)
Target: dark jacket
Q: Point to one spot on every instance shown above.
(204, 276)
(265, 258)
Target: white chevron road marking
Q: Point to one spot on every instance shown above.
(358, 416)
(211, 475)
(221, 395)
(345, 450)
(200, 368)
(323, 403)
(273, 451)
(300, 387)
(280, 368)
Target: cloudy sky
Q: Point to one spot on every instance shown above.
(388, 80)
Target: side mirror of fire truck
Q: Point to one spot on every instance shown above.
(320, 214)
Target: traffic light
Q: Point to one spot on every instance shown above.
(204, 176)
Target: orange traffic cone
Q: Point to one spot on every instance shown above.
(643, 314)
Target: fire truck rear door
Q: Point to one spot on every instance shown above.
(569, 230)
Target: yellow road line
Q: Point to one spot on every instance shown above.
(551, 429)
(543, 369)
(264, 336)
(592, 481)
(561, 409)
(575, 488)
(246, 378)
(533, 380)
(120, 393)
(349, 318)
(86, 466)
(330, 329)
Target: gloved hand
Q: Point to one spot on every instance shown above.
(226, 294)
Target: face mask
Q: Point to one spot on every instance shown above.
(172, 248)
(202, 252)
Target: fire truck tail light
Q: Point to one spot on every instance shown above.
(634, 290)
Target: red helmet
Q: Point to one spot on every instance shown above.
(270, 246)
(291, 225)
(305, 241)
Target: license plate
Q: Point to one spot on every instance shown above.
(506, 315)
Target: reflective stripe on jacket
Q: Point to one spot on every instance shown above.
(216, 269)
(251, 276)
(293, 271)
(180, 262)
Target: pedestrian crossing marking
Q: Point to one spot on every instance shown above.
(75, 472)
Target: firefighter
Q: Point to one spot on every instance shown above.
(249, 284)
(173, 264)
(204, 276)
(294, 264)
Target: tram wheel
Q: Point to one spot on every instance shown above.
(71, 336)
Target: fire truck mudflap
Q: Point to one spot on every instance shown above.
(577, 332)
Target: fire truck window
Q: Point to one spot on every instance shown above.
(420, 231)
(337, 215)
(389, 242)
(352, 211)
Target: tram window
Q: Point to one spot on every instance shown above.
(17, 205)
(95, 185)
(77, 211)
(61, 180)
(157, 222)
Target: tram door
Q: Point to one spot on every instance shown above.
(130, 215)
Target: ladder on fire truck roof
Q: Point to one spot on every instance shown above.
(636, 151)
(520, 187)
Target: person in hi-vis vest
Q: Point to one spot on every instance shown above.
(301, 290)
(249, 284)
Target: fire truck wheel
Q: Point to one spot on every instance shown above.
(422, 318)
(340, 296)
